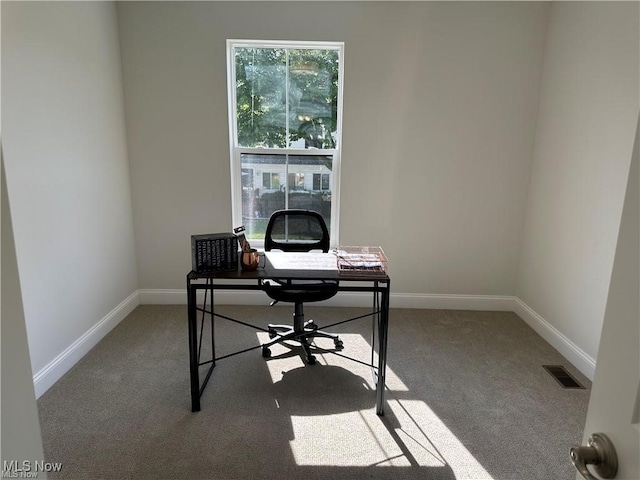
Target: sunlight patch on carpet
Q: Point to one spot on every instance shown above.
(418, 438)
(355, 346)
(331, 406)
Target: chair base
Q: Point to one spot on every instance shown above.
(301, 332)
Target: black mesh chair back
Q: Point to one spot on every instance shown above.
(296, 231)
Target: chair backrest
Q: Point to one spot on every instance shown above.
(296, 231)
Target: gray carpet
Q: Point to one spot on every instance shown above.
(467, 398)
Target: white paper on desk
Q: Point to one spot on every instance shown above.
(358, 261)
(302, 260)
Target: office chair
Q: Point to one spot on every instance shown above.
(298, 231)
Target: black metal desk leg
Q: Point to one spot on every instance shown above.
(383, 327)
(213, 338)
(193, 346)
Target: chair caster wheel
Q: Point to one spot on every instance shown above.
(311, 325)
(272, 333)
(311, 360)
(266, 352)
(338, 344)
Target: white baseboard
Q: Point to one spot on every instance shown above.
(344, 299)
(568, 349)
(452, 302)
(60, 365)
(50, 374)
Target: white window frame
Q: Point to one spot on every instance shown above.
(236, 151)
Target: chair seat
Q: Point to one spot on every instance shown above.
(288, 293)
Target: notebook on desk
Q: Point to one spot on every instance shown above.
(312, 261)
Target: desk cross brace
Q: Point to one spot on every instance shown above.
(255, 347)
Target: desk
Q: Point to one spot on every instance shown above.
(277, 265)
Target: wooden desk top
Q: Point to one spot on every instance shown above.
(296, 266)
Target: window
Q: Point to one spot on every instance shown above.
(321, 181)
(296, 181)
(271, 181)
(285, 115)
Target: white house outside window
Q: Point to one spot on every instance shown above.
(285, 116)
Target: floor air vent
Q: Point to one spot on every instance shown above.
(561, 375)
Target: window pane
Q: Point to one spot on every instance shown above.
(262, 110)
(259, 203)
(303, 168)
(261, 97)
(265, 192)
(296, 181)
(313, 98)
(275, 181)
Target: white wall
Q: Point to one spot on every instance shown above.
(588, 112)
(439, 123)
(20, 440)
(67, 175)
